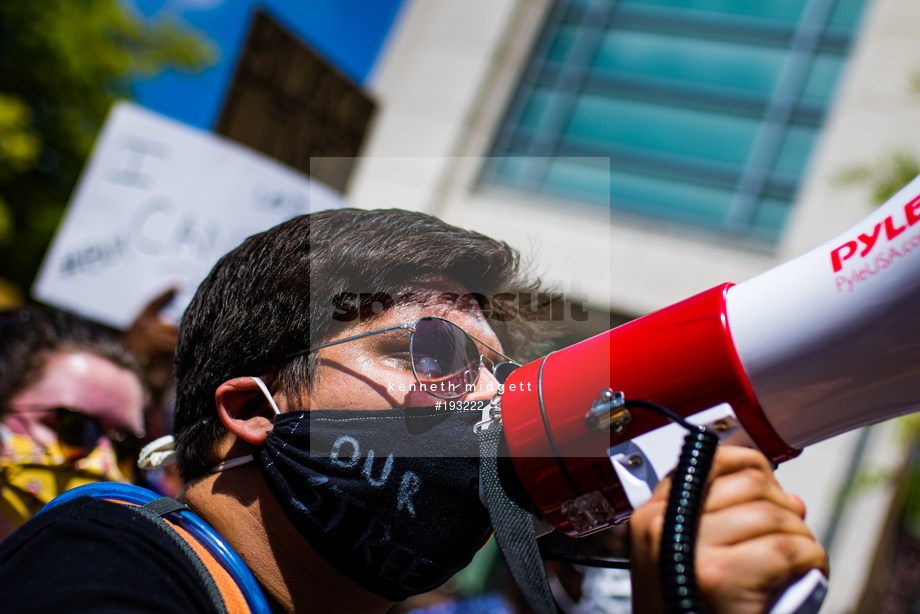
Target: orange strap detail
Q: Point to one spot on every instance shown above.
(230, 592)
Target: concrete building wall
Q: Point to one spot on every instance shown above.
(443, 85)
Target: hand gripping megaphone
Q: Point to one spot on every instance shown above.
(823, 344)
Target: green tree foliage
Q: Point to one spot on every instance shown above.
(62, 63)
(889, 174)
(886, 177)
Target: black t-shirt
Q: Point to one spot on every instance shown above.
(90, 555)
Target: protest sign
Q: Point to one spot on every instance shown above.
(157, 205)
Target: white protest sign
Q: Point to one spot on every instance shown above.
(157, 205)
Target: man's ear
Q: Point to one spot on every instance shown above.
(244, 410)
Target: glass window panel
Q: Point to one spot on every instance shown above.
(846, 14)
(796, 147)
(660, 197)
(781, 10)
(538, 102)
(822, 78)
(518, 171)
(583, 179)
(662, 128)
(562, 44)
(691, 60)
(771, 217)
(659, 128)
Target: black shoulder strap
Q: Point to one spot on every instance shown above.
(165, 505)
(513, 526)
(154, 512)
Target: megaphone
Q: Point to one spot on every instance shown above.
(823, 344)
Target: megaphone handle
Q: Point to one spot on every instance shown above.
(678, 539)
(804, 596)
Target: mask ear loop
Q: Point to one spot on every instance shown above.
(268, 395)
(236, 462)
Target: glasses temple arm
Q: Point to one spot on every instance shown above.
(409, 327)
(352, 338)
(505, 356)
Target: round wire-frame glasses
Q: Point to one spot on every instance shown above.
(446, 361)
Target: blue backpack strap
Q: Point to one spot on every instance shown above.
(157, 508)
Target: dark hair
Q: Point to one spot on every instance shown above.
(274, 293)
(29, 335)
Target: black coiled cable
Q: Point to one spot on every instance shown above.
(678, 541)
(676, 568)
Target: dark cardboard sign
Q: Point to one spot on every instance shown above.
(289, 102)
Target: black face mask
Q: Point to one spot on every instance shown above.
(390, 498)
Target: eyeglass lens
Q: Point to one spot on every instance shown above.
(78, 435)
(445, 359)
(502, 370)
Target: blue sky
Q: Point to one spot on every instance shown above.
(349, 33)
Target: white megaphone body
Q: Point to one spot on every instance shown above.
(820, 345)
